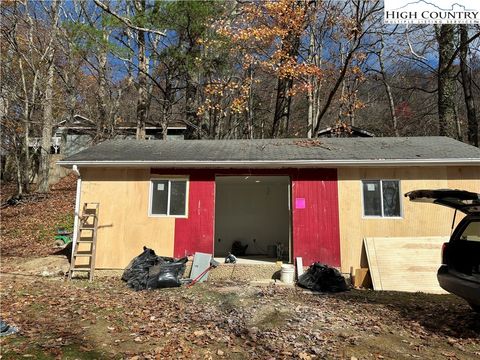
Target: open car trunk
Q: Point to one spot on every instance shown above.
(462, 253)
(464, 201)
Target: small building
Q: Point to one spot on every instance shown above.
(284, 198)
(70, 137)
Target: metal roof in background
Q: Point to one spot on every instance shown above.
(291, 152)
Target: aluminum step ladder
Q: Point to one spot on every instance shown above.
(85, 246)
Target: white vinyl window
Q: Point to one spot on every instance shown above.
(168, 197)
(381, 198)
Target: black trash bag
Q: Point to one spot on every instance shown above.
(166, 274)
(323, 278)
(136, 273)
(149, 271)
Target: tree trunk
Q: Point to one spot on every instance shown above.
(466, 72)
(250, 115)
(142, 76)
(47, 126)
(314, 83)
(43, 173)
(388, 90)
(282, 107)
(446, 82)
(22, 155)
(167, 106)
(103, 112)
(283, 101)
(192, 131)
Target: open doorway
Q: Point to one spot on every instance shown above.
(252, 218)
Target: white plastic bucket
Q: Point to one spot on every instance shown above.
(287, 274)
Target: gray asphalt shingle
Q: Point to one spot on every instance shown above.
(377, 148)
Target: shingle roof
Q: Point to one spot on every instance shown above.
(277, 151)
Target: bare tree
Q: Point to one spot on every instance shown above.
(467, 84)
(388, 88)
(363, 19)
(48, 119)
(446, 81)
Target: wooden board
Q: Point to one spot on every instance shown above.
(405, 264)
(362, 278)
(299, 266)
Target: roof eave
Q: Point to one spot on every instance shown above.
(274, 163)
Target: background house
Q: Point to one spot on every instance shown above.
(317, 199)
(71, 136)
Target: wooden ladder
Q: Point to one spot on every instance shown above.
(85, 246)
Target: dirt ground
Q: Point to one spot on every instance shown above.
(106, 320)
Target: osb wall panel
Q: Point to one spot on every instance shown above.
(464, 178)
(124, 224)
(419, 220)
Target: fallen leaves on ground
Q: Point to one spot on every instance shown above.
(28, 229)
(226, 320)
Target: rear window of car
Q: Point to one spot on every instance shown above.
(471, 232)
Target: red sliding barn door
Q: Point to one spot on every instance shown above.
(195, 233)
(315, 226)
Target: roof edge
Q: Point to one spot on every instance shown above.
(273, 163)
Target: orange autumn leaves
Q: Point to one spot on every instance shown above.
(262, 36)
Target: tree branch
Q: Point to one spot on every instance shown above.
(457, 50)
(126, 21)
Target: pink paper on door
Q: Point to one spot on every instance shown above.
(300, 203)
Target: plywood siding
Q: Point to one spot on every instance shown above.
(315, 227)
(464, 178)
(124, 224)
(421, 220)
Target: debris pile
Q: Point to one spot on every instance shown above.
(149, 271)
(323, 278)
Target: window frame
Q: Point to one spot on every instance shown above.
(169, 179)
(381, 200)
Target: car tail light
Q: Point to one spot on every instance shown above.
(444, 253)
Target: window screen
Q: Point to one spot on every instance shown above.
(391, 195)
(177, 197)
(168, 197)
(381, 198)
(372, 204)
